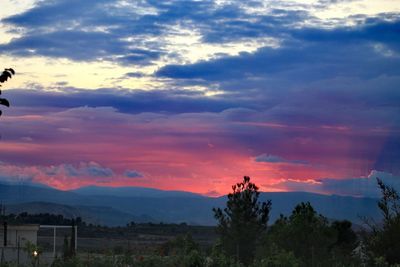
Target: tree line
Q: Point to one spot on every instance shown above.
(305, 238)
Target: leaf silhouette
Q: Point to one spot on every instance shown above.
(4, 102)
(11, 70)
(4, 76)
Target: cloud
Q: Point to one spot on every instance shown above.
(58, 12)
(60, 176)
(139, 32)
(362, 187)
(133, 174)
(276, 159)
(134, 75)
(91, 46)
(53, 28)
(314, 79)
(9, 175)
(127, 101)
(310, 55)
(96, 170)
(327, 3)
(90, 169)
(136, 33)
(165, 145)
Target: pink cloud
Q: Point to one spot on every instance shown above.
(173, 151)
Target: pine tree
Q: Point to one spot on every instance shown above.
(243, 221)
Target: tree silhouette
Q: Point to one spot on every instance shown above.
(243, 221)
(7, 74)
(389, 204)
(384, 240)
(305, 233)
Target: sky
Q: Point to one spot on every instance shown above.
(193, 95)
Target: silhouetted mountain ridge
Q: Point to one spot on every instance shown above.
(177, 207)
(131, 192)
(90, 214)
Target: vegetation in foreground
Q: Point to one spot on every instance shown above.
(305, 238)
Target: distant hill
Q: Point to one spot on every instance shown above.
(131, 192)
(10, 193)
(114, 206)
(94, 215)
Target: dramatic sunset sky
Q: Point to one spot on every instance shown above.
(300, 95)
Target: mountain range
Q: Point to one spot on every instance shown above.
(118, 206)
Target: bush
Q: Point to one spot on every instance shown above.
(278, 258)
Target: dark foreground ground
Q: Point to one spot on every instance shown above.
(138, 239)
